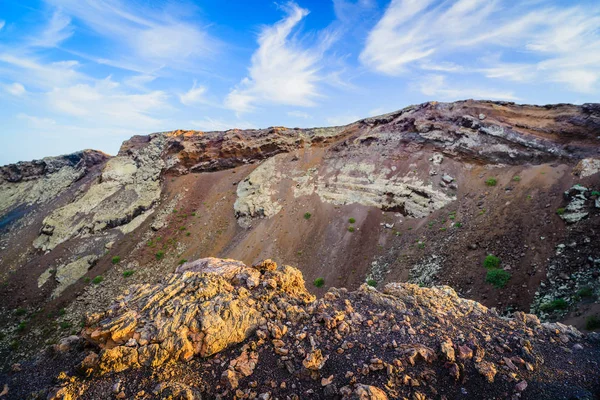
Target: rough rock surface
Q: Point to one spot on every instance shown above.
(178, 339)
(39, 181)
(128, 186)
(402, 196)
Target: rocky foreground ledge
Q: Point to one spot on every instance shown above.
(219, 329)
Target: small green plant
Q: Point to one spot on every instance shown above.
(97, 279)
(457, 224)
(556, 304)
(127, 273)
(351, 220)
(516, 178)
(21, 327)
(585, 292)
(560, 211)
(115, 259)
(193, 214)
(497, 277)
(87, 279)
(319, 282)
(64, 325)
(421, 245)
(351, 229)
(160, 255)
(62, 312)
(14, 345)
(182, 261)
(491, 182)
(307, 215)
(20, 312)
(592, 323)
(371, 282)
(491, 261)
(188, 233)
(529, 197)
(596, 193)
(174, 211)
(299, 252)
(182, 228)
(443, 229)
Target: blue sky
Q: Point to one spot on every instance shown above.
(78, 74)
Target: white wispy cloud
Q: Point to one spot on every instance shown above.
(139, 82)
(282, 71)
(105, 103)
(437, 87)
(38, 73)
(36, 122)
(16, 89)
(143, 34)
(211, 124)
(57, 30)
(339, 120)
(193, 96)
(299, 114)
(561, 42)
(2, 23)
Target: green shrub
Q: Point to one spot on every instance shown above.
(592, 323)
(491, 182)
(188, 233)
(352, 220)
(160, 255)
(557, 304)
(497, 277)
(193, 214)
(182, 261)
(307, 215)
(457, 224)
(351, 229)
(585, 292)
(127, 273)
(372, 282)
(596, 193)
(560, 211)
(62, 312)
(64, 325)
(516, 178)
(421, 245)
(20, 311)
(97, 279)
(491, 261)
(319, 282)
(115, 259)
(21, 327)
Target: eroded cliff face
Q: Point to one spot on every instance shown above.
(37, 182)
(217, 328)
(398, 197)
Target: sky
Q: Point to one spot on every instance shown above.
(78, 74)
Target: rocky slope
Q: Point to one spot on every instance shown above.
(220, 329)
(421, 195)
